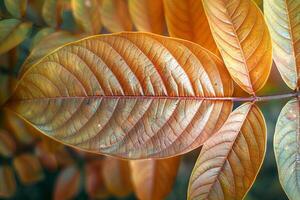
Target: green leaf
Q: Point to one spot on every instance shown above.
(16, 8)
(287, 148)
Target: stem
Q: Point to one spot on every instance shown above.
(265, 98)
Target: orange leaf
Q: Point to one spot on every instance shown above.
(284, 24)
(243, 39)
(116, 175)
(153, 179)
(115, 15)
(230, 160)
(110, 94)
(147, 15)
(7, 182)
(187, 20)
(46, 157)
(68, 183)
(94, 181)
(28, 168)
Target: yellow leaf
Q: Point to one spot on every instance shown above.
(52, 12)
(283, 18)
(147, 15)
(16, 8)
(286, 148)
(153, 179)
(230, 160)
(12, 33)
(115, 15)
(87, 15)
(187, 20)
(243, 40)
(28, 168)
(121, 94)
(116, 175)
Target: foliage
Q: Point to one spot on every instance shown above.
(137, 95)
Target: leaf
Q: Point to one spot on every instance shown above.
(68, 183)
(46, 45)
(7, 182)
(242, 36)
(16, 8)
(131, 95)
(16, 126)
(40, 35)
(259, 3)
(7, 144)
(46, 157)
(230, 160)
(94, 181)
(153, 179)
(187, 20)
(283, 19)
(87, 15)
(115, 15)
(147, 15)
(116, 174)
(52, 12)
(28, 168)
(12, 33)
(286, 148)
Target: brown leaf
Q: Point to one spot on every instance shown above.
(116, 175)
(230, 160)
(7, 144)
(28, 168)
(7, 182)
(187, 20)
(110, 94)
(243, 40)
(115, 15)
(94, 180)
(147, 15)
(68, 183)
(153, 179)
(52, 12)
(46, 157)
(284, 23)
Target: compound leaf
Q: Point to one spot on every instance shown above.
(243, 38)
(283, 18)
(230, 160)
(286, 148)
(131, 95)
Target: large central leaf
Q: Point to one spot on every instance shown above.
(133, 95)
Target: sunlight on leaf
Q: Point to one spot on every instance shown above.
(128, 97)
(243, 39)
(230, 160)
(286, 148)
(153, 179)
(283, 18)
